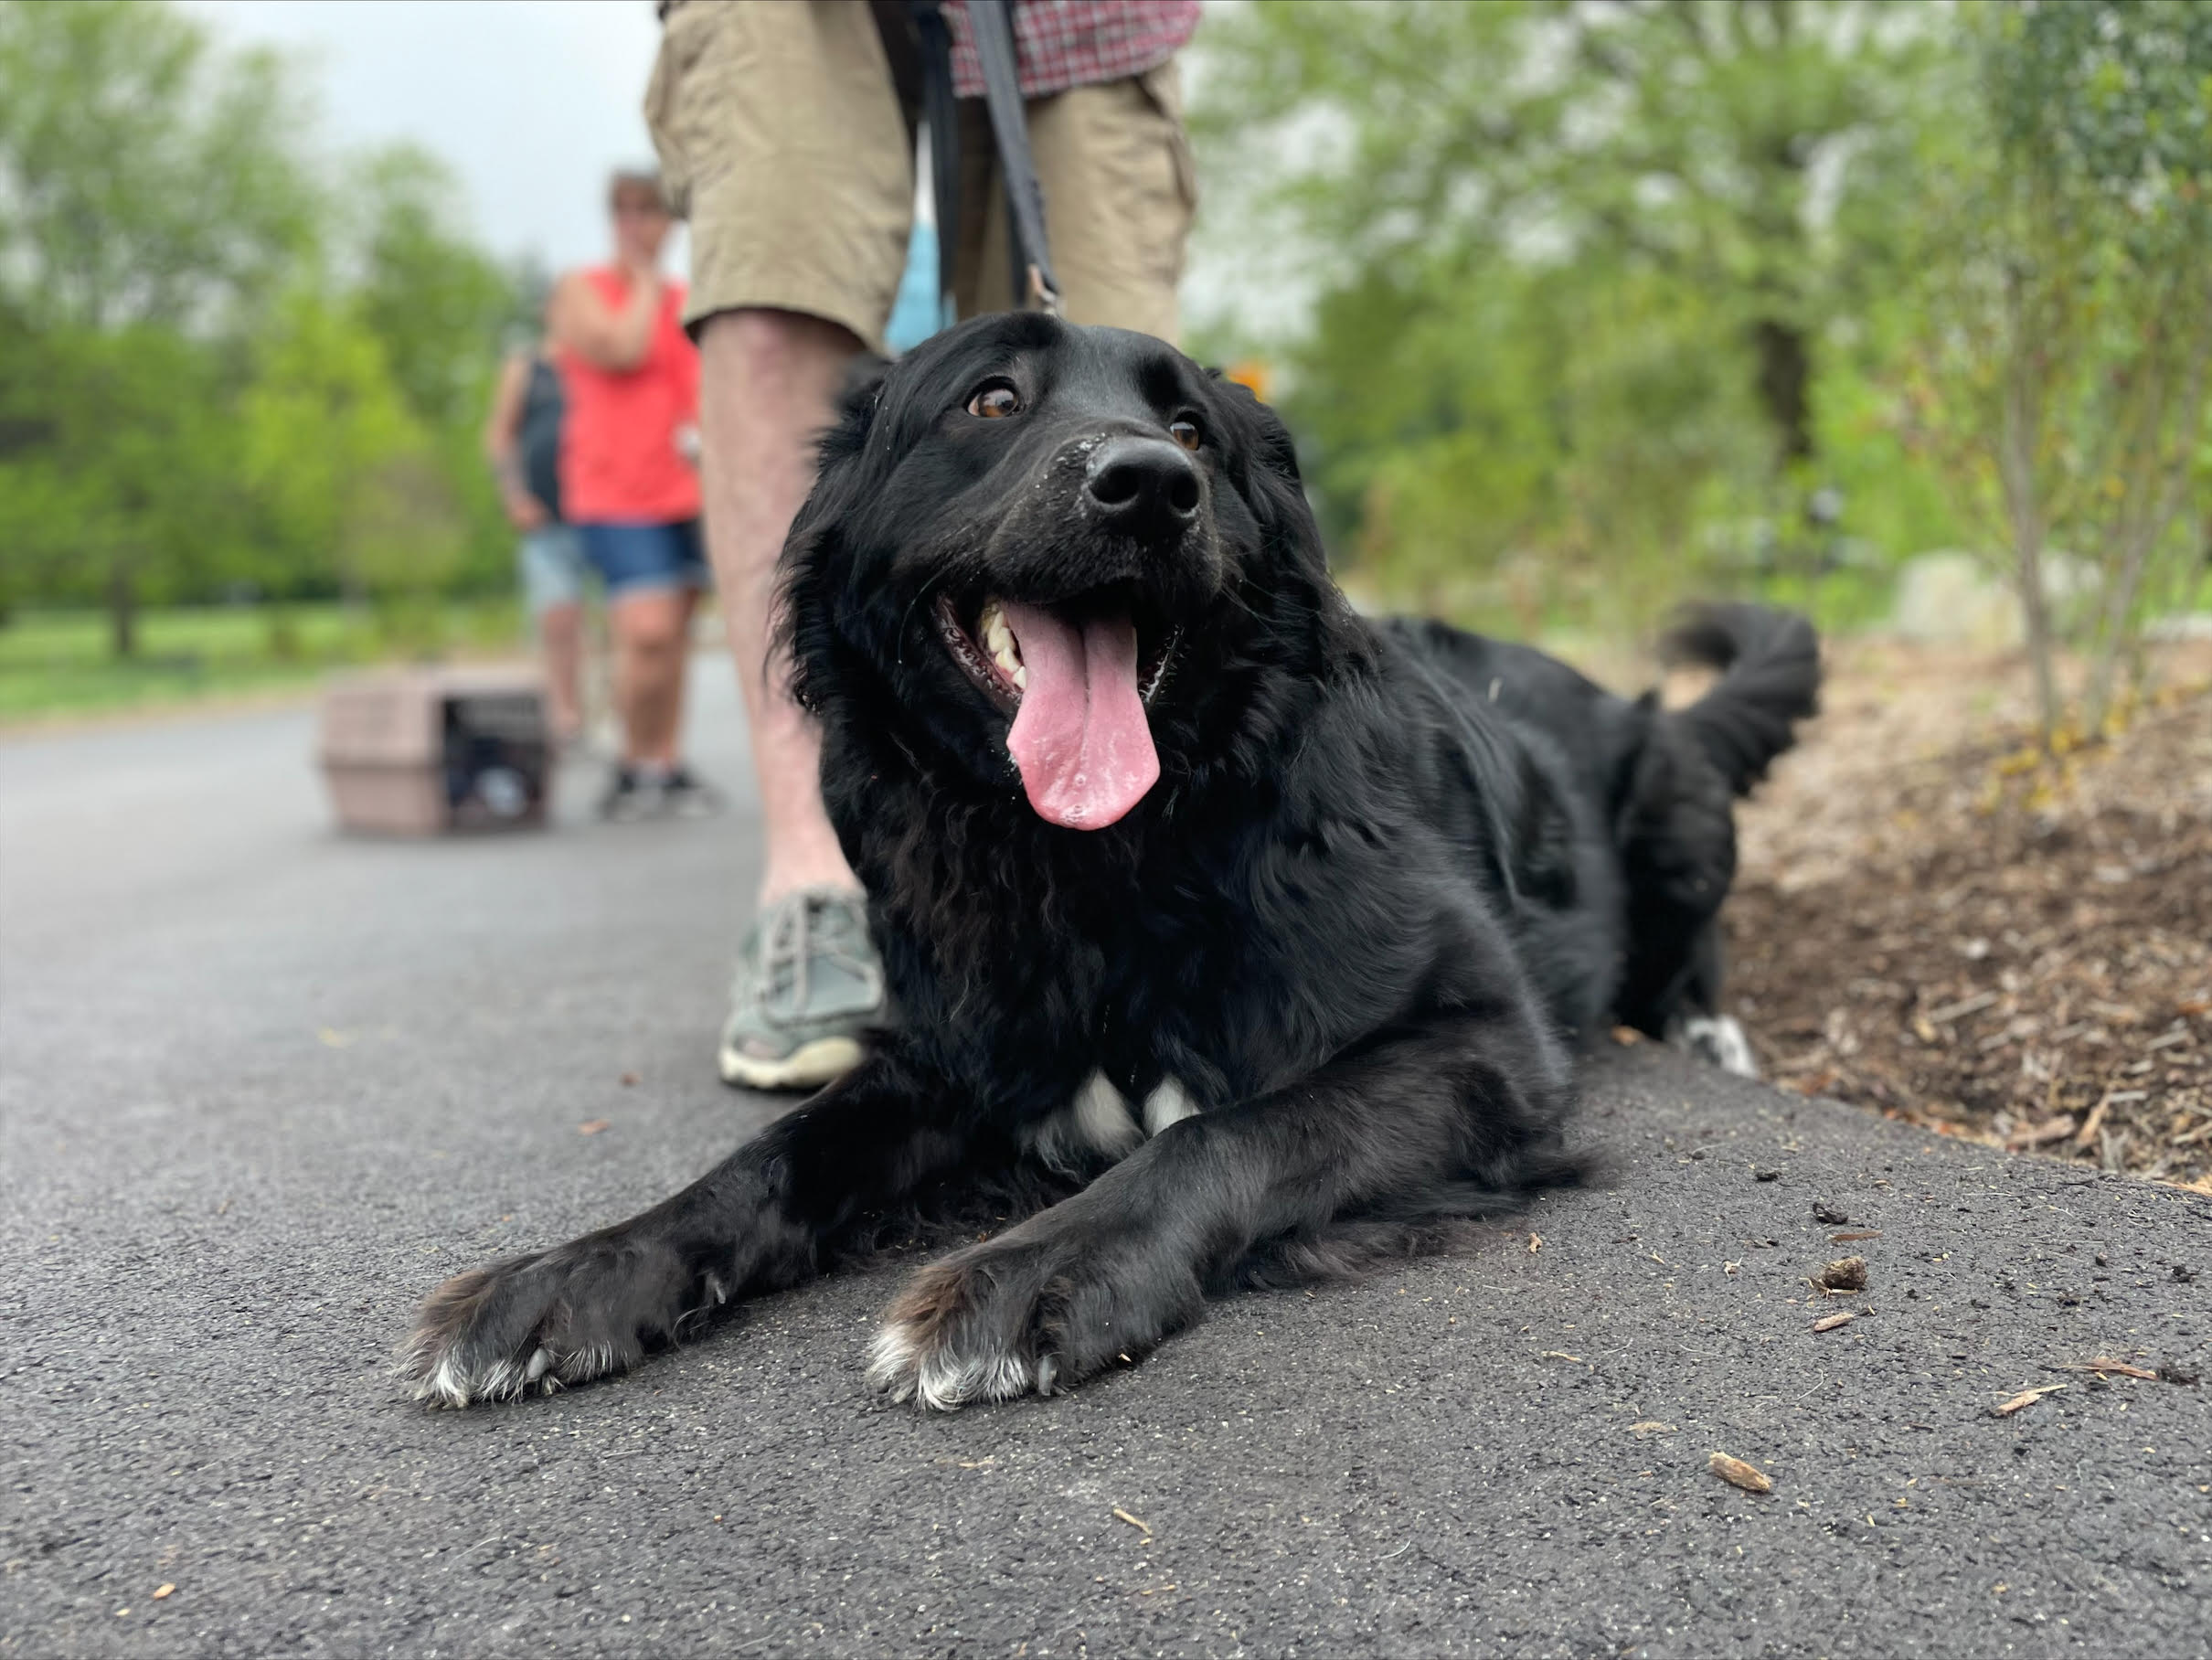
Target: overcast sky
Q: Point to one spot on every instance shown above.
(529, 102)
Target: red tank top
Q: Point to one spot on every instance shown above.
(619, 461)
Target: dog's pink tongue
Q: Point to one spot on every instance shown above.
(1079, 737)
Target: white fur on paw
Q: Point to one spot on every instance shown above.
(1097, 1123)
(945, 1382)
(1718, 1039)
(1168, 1104)
(448, 1383)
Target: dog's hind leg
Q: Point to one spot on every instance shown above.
(761, 1220)
(1695, 1024)
(1456, 1115)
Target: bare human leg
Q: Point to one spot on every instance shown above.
(652, 630)
(767, 383)
(561, 640)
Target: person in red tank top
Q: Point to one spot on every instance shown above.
(630, 484)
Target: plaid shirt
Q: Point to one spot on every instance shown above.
(1060, 44)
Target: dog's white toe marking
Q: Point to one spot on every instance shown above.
(447, 1384)
(891, 1361)
(1718, 1039)
(1170, 1103)
(944, 1379)
(1097, 1123)
(949, 1382)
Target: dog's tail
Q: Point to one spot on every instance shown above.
(1770, 680)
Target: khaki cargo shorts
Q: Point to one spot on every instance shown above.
(782, 140)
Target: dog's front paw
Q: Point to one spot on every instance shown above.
(1030, 1313)
(557, 1317)
(1717, 1039)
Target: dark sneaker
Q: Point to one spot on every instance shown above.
(685, 794)
(808, 984)
(630, 795)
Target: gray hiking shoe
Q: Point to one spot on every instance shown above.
(808, 983)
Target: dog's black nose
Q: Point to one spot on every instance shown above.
(1142, 486)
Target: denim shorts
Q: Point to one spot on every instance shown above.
(638, 559)
(551, 559)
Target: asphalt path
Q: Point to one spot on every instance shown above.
(262, 1085)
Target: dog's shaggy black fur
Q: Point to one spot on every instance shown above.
(1314, 991)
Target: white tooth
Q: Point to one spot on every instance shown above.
(1021, 678)
(998, 639)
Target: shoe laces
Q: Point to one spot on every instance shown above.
(814, 923)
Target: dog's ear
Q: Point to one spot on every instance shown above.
(813, 563)
(1268, 440)
(858, 400)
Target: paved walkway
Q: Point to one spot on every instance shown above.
(261, 1086)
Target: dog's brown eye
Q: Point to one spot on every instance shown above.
(995, 401)
(1186, 433)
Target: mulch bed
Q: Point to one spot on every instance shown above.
(1933, 921)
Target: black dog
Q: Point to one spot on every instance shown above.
(1257, 936)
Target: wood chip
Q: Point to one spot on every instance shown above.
(591, 1126)
(2026, 1397)
(1562, 1354)
(164, 1590)
(1828, 1322)
(1134, 1521)
(2105, 1363)
(1964, 1006)
(1845, 1273)
(1536, 1243)
(2042, 1134)
(1651, 1426)
(1863, 1233)
(1737, 1474)
(2087, 1135)
(1626, 1034)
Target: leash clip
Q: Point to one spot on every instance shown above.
(1042, 294)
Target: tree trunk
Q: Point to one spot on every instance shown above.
(2024, 509)
(122, 607)
(1785, 377)
(2147, 525)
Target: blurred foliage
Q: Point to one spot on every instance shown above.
(59, 662)
(1614, 300)
(2064, 310)
(225, 368)
(1604, 301)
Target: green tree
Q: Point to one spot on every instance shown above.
(326, 430)
(1717, 143)
(441, 309)
(424, 288)
(1597, 284)
(145, 177)
(149, 205)
(2061, 376)
(122, 492)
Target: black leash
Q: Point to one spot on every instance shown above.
(991, 24)
(940, 110)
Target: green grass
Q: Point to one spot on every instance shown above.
(57, 663)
